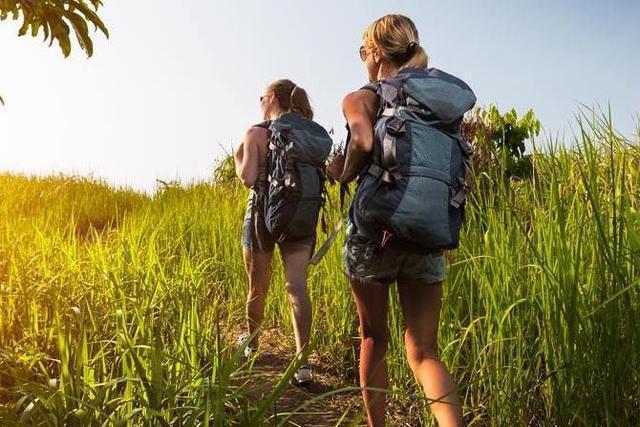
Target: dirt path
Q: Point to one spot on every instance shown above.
(342, 408)
(328, 410)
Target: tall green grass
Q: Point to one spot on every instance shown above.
(118, 308)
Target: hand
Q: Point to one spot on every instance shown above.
(335, 166)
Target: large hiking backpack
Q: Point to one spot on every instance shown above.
(298, 148)
(414, 188)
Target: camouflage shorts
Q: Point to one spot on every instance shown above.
(365, 262)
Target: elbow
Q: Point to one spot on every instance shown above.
(343, 180)
(360, 145)
(347, 177)
(247, 180)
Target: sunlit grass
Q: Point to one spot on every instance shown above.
(120, 308)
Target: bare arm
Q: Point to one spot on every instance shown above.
(247, 155)
(360, 109)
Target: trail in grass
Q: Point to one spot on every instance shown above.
(329, 401)
(313, 405)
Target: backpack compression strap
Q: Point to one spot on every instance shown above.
(389, 95)
(279, 142)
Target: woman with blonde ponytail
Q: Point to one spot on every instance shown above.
(378, 251)
(286, 109)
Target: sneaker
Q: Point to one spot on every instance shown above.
(302, 377)
(248, 351)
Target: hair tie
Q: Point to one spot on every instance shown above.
(292, 90)
(411, 48)
(405, 56)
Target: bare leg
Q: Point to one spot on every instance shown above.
(421, 304)
(295, 258)
(258, 268)
(371, 302)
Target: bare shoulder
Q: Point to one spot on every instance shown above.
(361, 102)
(256, 135)
(358, 98)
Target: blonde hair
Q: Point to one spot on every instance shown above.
(397, 38)
(291, 97)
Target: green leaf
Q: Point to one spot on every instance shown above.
(35, 28)
(82, 31)
(26, 21)
(90, 16)
(55, 17)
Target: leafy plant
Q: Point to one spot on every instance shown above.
(499, 139)
(56, 18)
(225, 170)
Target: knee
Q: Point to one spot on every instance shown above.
(297, 292)
(377, 341)
(257, 293)
(416, 356)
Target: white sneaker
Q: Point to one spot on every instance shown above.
(302, 377)
(248, 351)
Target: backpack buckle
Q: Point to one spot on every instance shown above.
(375, 170)
(388, 112)
(273, 181)
(459, 198)
(461, 195)
(412, 103)
(388, 176)
(288, 180)
(395, 126)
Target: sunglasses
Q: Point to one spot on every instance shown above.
(364, 52)
(265, 97)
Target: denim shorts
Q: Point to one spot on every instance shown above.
(257, 238)
(366, 262)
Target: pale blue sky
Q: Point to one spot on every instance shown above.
(178, 80)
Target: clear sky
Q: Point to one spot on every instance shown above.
(177, 82)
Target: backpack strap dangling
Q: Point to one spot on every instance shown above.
(325, 197)
(344, 188)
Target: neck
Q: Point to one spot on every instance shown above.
(387, 70)
(276, 114)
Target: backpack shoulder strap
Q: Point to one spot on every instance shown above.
(391, 91)
(376, 88)
(264, 124)
(373, 87)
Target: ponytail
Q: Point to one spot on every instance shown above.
(418, 58)
(300, 102)
(291, 97)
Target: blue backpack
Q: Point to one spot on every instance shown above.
(298, 148)
(414, 187)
